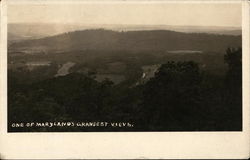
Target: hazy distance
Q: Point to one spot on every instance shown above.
(36, 20)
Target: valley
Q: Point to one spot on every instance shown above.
(153, 78)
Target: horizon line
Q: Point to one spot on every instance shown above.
(72, 23)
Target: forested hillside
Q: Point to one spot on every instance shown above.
(179, 97)
(156, 40)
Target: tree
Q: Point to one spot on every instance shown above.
(233, 58)
(171, 99)
(233, 88)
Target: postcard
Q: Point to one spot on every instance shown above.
(124, 79)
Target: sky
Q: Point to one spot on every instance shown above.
(184, 14)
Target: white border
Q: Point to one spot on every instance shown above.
(126, 145)
(119, 1)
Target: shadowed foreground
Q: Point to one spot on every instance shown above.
(179, 97)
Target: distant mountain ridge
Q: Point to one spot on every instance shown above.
(149, 40)
(23, 31)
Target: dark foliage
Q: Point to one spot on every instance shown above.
(172, 98)
(180, 97)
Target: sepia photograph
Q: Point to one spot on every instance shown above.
(124, 67)
(124, 79)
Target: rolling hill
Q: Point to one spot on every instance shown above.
(153, 40)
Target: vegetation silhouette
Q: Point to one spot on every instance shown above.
(180, 97)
